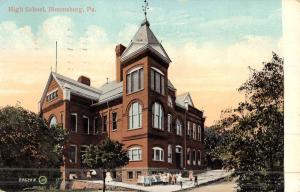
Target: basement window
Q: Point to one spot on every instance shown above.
(129, 175)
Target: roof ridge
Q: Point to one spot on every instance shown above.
(77, 82)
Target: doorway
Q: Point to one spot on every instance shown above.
(179, 157)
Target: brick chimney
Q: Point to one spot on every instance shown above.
(119, 50)
(85, 80)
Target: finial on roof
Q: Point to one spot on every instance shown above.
(145, 8)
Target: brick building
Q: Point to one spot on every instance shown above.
(161, 130)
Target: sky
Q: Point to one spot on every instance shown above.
(211, 44)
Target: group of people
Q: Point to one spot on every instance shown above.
(175, 179)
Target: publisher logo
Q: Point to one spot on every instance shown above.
(43, 180)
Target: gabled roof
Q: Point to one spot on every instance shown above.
(171, 86)
(75, 87)
(144, 39)
(183, 98)
(111, 90)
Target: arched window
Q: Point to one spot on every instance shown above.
(157, 116)
(178, 127)
(199, 157)
(158, 154)
(135, 154)
(194, 157)
(53, 121)
(170, 101)
(188, 156)
(135, 80)
(169, 153)
(135, 116)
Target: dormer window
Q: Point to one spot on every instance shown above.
(135, 80)
(157, 81)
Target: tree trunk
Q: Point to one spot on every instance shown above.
(104, 176)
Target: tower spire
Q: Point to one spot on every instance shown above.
(145, 8)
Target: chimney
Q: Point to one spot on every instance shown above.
(85, 80)
(119, 50)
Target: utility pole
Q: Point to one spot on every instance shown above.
(55, 56)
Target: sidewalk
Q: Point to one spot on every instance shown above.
(203, 178)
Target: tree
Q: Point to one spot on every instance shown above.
(254, 146)
(26, 140)
(107, 156)
(212, 140)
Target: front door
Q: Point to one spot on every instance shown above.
(178, 157)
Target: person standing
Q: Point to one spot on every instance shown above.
(195, 180)
(179, 179)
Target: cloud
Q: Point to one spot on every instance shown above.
(12, 37)
(212, 73)
(126, 34)
(183, 1)
(57, 28)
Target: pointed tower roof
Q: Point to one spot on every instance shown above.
(143, 40)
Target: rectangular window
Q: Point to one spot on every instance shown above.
(199, 157)
(157, 82)
(105, 123)
(188, 156)
(82, 152)
(52, 95)
(135, 80)
(152, 80)
(189, 129)
(194, 157)
(199, 132)
(114, 121)
(96, 125)
(128, 83)
(169, 122)
(129, 175)
(135, 154)
(73, 154)
(86, 125)
(163, 85)
(73, 122)
(141, 79)
(194, 131)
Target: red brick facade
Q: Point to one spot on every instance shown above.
(146, 137)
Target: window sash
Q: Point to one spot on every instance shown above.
(86, 125)
(135, 116)
(157, 82)
(158, 154)
(152, 80)
(135, 154)
(105, 124)
(169, 122)
(96, 125)
(72, 153)
(73, 122)
(135, 80)
(169, 154)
